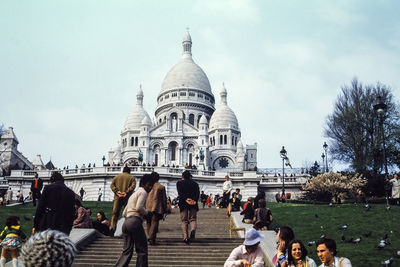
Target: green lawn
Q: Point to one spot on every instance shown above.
(301, 218)
(26, 211)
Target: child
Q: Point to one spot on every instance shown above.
(10, 240)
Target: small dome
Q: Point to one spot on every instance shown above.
(203, 119)
(146, 121)
(223, 116)
(135, 118)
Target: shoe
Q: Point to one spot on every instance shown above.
(192, 234)
(186, 241)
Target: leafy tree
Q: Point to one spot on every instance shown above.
(315, 170)
(354, 128)
(330, 184)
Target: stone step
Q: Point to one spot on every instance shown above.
(161, 262)
(211, 247)
(169, 253)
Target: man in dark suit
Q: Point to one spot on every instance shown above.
(188, 192)
(156, 204)
(36, 188)
(56, 208)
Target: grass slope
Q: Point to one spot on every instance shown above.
(378, 221)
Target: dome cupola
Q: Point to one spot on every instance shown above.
(135, 118)
(185, 85)
(223, 116)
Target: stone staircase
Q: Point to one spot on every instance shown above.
(211, 247)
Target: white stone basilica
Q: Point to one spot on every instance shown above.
(188, 129)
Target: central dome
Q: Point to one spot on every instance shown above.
(186, 74)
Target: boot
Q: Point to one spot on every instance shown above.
(2, 262)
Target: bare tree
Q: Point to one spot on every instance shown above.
(354, 127)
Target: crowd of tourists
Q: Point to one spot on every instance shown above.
(59, 210)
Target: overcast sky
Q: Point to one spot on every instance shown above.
(70, 70)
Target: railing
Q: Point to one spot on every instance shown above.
(294, 179)
(236, 174)
(107, 169)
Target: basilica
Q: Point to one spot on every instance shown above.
(188, 130)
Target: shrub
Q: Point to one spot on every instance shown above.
(328, 185)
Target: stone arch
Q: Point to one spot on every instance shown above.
(173, 151)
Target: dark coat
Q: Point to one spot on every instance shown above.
(39, 187)
(56, 208)
(248, 211)
(187, 189)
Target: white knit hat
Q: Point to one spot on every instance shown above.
(50, 248)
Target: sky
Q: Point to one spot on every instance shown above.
(70, 70)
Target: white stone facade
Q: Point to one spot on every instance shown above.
(10, 157)
(187, 130)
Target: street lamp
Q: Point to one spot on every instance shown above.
(197, 160)
(283, 153)
(103, 159)
(325, 146)
(380, 107)
(323, 162)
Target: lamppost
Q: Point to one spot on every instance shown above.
(103, 159)
(325, 146)
(323, 162)
(283, 153)
(380, 108)
(197, 160)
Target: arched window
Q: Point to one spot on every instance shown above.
(233, 141)
(132, 141)
(136, 141)
(220, 140)
(225, 139)
(172, 148)
(191, 119)
(213, 140)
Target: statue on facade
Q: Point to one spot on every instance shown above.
(201, 154)
(140, 156)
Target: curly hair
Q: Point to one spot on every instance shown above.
(48, 248)
(303, 249)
